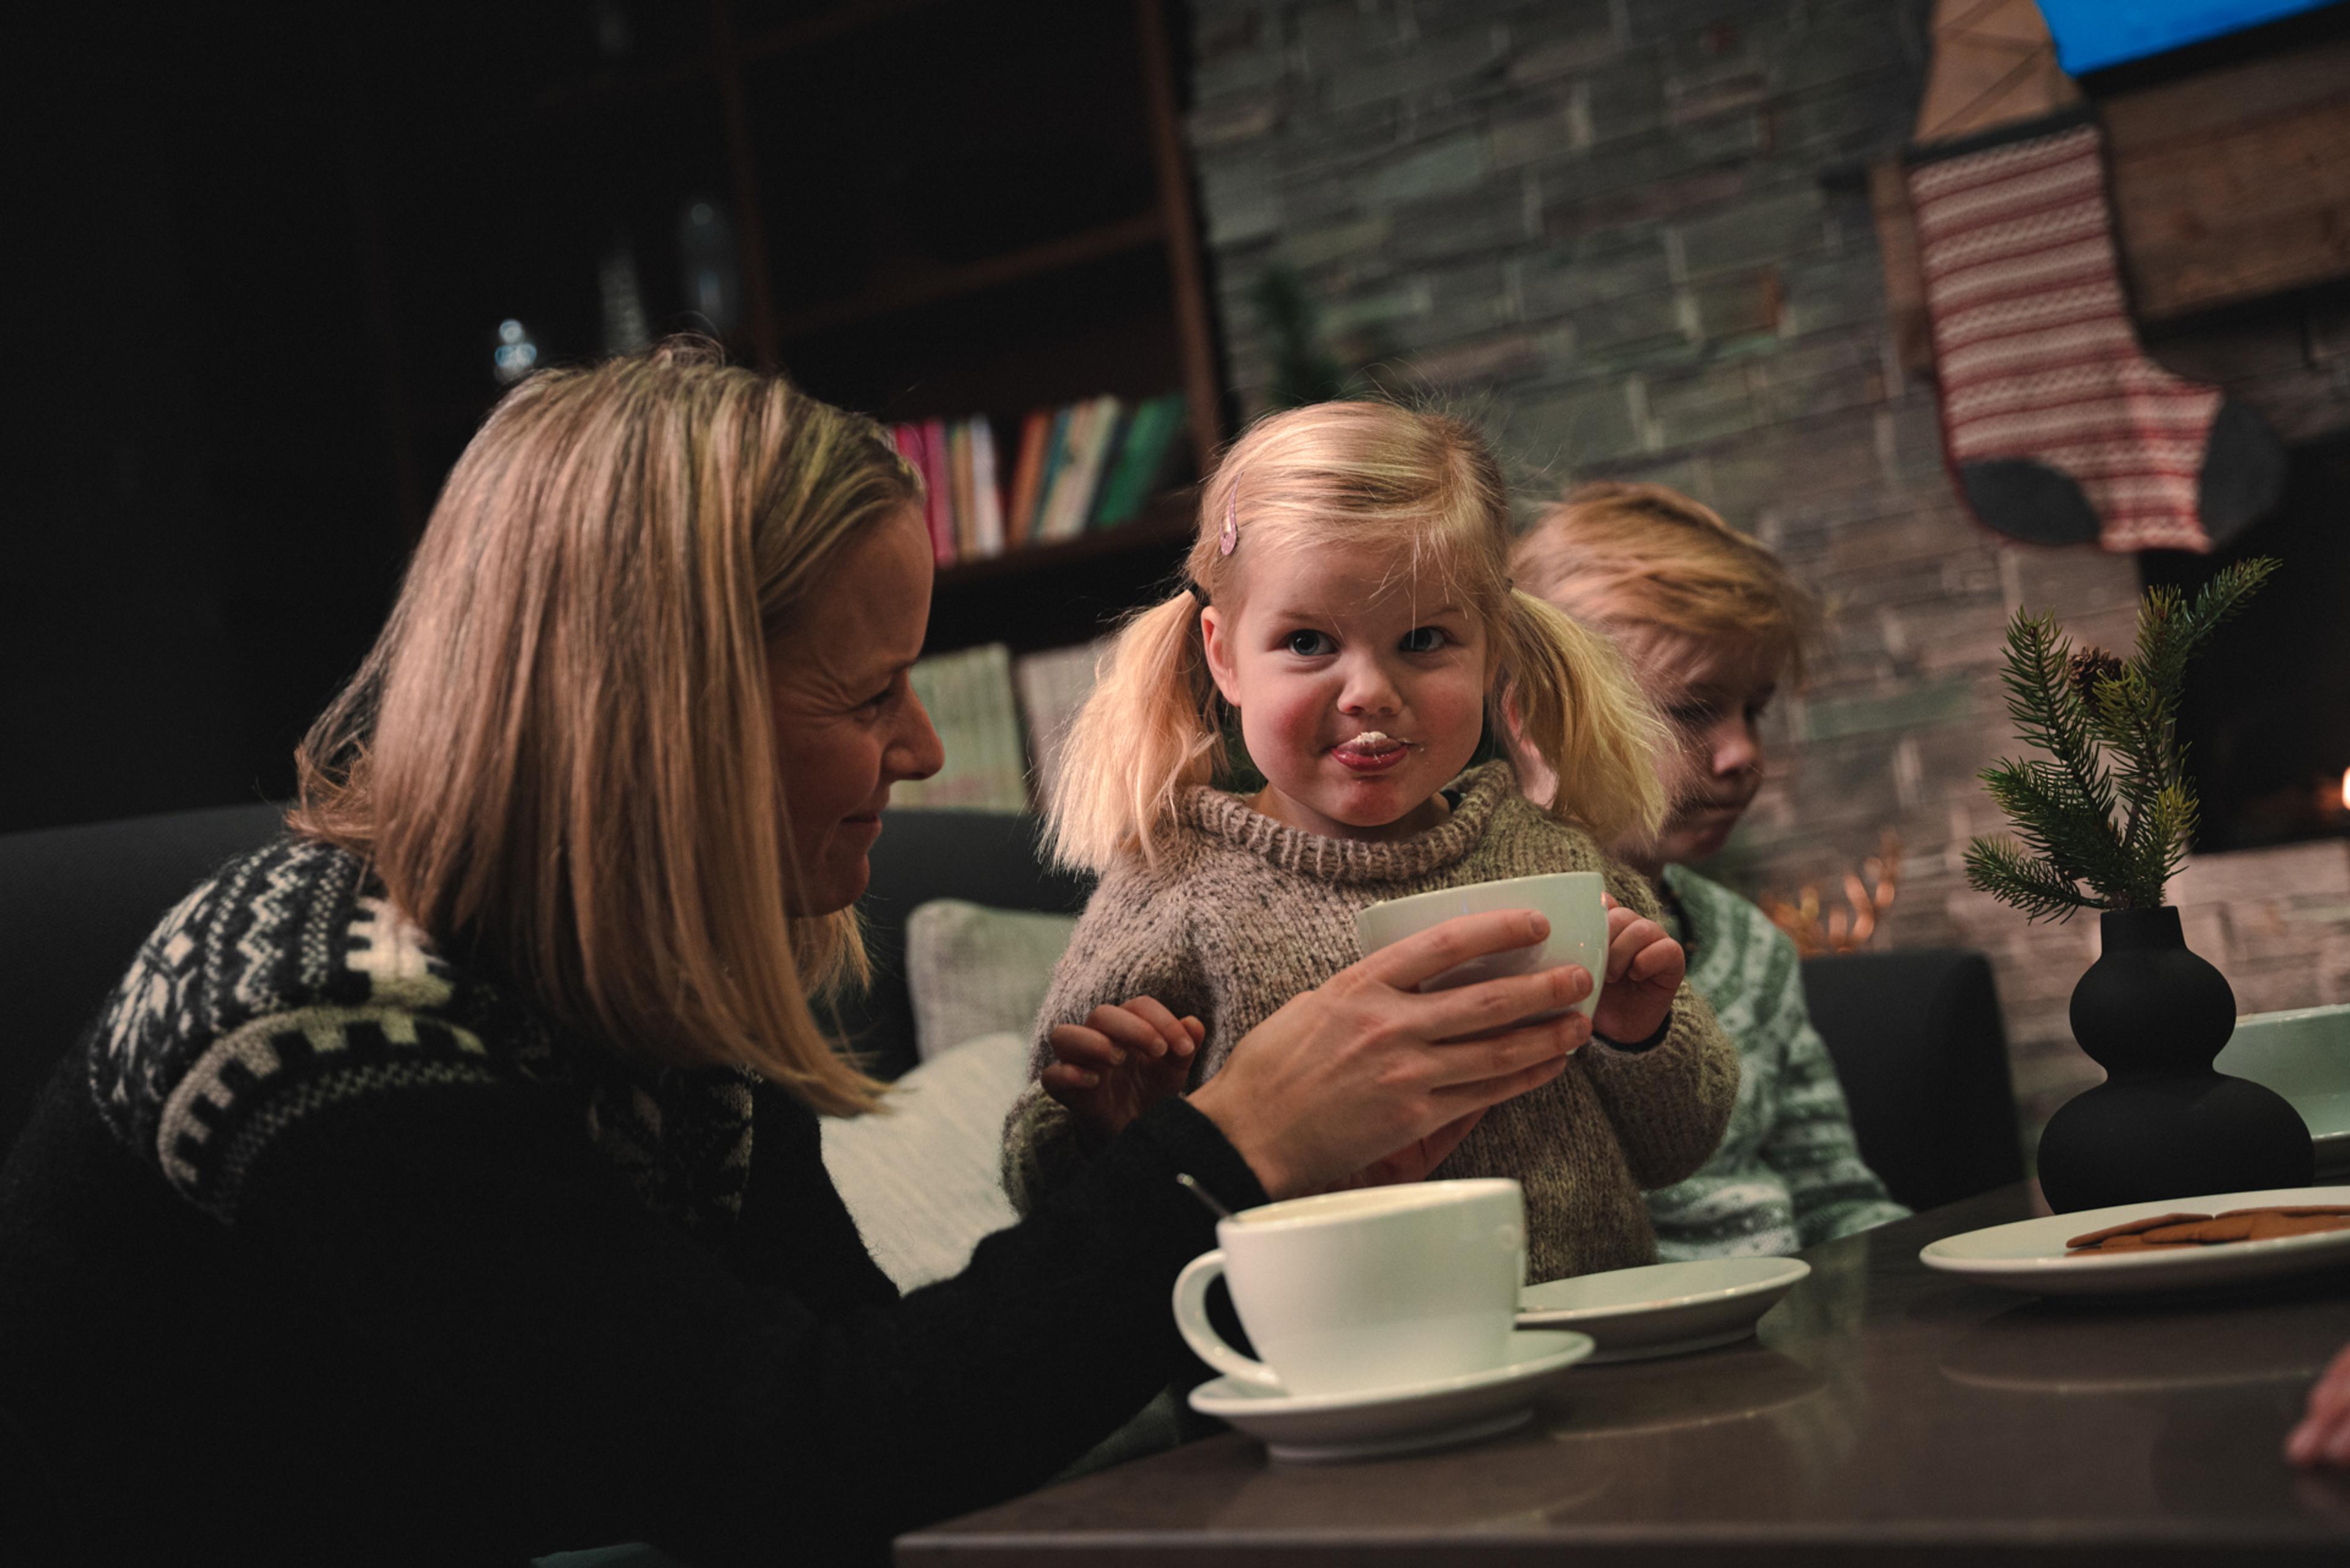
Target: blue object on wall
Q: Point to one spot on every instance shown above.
(2094, 33)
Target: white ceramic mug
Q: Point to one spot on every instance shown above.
(2303, 1055)
(1570, 900)
(1379, 1287)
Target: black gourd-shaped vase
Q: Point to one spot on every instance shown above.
(2163, 1124)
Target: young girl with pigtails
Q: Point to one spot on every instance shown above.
(1349, 603)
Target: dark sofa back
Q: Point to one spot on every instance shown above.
(990, 857)
(1916, 1035)
(1918, 1043)
(76, 902)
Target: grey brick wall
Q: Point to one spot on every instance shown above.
(1631, 236)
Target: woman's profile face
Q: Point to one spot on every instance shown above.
(847, 723)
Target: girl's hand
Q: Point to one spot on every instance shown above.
(2323, 1435)
(1356, 1075)
(1120, 1061)
(1644, 967)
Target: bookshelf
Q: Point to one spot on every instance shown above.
(931, 210)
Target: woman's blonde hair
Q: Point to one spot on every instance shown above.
(1422, 490)
(559, 756)
(1637, 560)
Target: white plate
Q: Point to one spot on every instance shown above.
(2028, 1255)
(1663, 1309)
(1323, 1426)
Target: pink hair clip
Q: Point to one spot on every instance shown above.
(1229, 539)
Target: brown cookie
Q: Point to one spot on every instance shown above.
(2206, 1231)
(2094, 1237)
(2133, 1242)
(2265, 1226)
(2288, 1209)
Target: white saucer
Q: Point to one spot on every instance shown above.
(1319, 1427)
(2030, 1254)
(1663, 1309)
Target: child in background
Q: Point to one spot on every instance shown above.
(1349, 599)
(1714, 623)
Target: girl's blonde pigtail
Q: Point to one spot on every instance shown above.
(1148, 732)
(1579, 706)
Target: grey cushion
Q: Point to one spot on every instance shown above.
(973, 970)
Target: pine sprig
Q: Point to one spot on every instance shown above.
(2110, 730)
(1998, 866)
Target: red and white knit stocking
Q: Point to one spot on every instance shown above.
(2060, 431)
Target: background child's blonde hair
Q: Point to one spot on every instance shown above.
(1637, 561)
(1370, 476)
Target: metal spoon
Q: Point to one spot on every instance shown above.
(1192, 1184)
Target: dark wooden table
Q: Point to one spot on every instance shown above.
(1884, 1414)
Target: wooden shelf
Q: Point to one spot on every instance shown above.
(582, 95)
(1070, 590)
(833, 24)
(991, 241)
(623, 84)
(1138, 232)
(1167, 518)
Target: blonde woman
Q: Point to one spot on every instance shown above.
(1350, 605)
(1714, 624)
(442, 1183)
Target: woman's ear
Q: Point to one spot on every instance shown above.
(1219, 651)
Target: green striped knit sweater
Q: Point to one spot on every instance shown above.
(1788, 1174)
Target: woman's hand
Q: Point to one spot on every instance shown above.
(1120, 1061)
(1415, 1160)
(2323, 1435)
(1352, 1074)
(1644, 967)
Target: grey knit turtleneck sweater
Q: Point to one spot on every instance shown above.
(1243, 914)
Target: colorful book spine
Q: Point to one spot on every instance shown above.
(986, 496)
(939, 473)
(1093, 464)
(1056, 457)
(1141, 461)
(967, 537)
(1073, 496)
(913, 445)
(1028, 477)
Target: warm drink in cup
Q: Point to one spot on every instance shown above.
(1376, 1288)
(1570, 900)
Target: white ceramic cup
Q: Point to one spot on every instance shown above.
(1569, 899)
(1379, 1287)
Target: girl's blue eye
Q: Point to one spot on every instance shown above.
(1309, 644)
(1424, 640)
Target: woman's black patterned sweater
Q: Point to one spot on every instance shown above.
(322, 1250)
